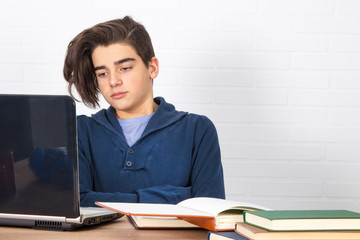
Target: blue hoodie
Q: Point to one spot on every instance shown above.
(177, 157)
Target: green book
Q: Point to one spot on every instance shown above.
(304, 220)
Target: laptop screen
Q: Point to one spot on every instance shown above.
(38, 155)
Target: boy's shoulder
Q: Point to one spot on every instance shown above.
(84, 119)
(200, 120)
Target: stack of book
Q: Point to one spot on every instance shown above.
(294, 225)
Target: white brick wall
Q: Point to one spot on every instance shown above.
(279, 78)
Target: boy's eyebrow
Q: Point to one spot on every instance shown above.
(124, 60)
(116, 63)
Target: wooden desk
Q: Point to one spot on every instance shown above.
(119, 229)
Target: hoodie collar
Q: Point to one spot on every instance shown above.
(165, 115)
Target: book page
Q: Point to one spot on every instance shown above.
(151, 209)
(214, 206)
(161, 222)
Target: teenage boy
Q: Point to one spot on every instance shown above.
(140, 149)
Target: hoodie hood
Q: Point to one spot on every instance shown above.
(165, 115)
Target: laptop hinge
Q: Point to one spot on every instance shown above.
(77, 220)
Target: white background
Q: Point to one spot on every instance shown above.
(279, 78)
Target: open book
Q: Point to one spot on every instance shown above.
(210, 213)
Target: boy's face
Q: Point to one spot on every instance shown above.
(124, 80)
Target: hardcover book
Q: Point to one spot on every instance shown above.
(304, 220)
(255, 233)
(152, 222)
(227, 235)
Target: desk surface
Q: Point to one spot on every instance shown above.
(119, 229)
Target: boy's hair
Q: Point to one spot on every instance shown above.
(78, 67)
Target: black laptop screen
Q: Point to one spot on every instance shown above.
(38, 155)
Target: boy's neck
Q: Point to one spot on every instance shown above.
(140, 112)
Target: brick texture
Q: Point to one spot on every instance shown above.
(279, 78)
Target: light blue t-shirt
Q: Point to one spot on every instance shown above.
(134, 127)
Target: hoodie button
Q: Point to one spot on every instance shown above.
(128, 163)
(131, 151)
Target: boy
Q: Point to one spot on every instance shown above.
(140, 149)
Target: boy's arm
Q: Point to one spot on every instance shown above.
(207, 175)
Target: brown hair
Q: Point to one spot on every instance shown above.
(78, 67)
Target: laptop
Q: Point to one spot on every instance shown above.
(39, 174)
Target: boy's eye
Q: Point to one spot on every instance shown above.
(125, 69)
(102, 75)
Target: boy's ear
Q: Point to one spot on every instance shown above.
(154, 67)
